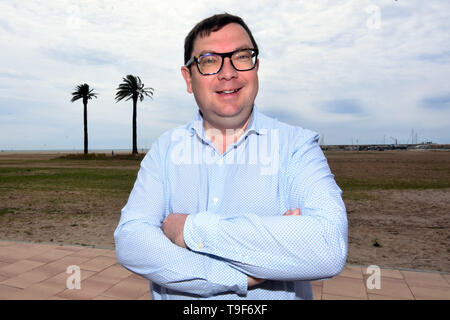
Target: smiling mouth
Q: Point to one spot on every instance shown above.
(228, 91)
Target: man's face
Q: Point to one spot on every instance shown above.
(223, 110)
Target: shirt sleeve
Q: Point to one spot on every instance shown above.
(142, 247)
(311, 246)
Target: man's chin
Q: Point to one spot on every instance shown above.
(229, 120)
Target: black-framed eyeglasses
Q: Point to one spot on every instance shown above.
(212, 62)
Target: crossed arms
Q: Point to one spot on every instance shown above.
(173, 227)
(239, 251)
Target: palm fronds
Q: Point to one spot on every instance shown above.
(132, 88)
(83, 92)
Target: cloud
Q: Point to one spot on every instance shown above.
(343, 106)
(81, 56)
(321, 66)
(441, 102)
(17, 75)
(6, 26)
(440, 57)
(284, 115)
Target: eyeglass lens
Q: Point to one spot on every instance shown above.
(242, 60)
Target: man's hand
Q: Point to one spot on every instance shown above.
(295, 212)
(253, 281)
(173, 228)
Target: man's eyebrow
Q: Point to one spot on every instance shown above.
(245, 46)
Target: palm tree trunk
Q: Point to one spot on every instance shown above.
(135, 151)
(85, 129)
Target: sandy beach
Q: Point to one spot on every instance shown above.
(402, 228)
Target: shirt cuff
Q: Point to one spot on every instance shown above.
(200, 231)
(200, 235)
(227, 278)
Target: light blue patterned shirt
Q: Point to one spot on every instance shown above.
(235, 201)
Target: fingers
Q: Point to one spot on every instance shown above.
(254, 281)
(295, 212)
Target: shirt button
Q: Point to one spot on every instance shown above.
(216, 200)
(200, 245)
(220, 161)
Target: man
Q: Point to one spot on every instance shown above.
(234, 205)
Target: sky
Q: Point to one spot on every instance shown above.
(356, 72)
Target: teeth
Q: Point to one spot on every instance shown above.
(229, 91)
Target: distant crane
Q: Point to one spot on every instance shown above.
(394, 139)
(413, 137)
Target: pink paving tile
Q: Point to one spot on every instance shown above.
(18, 267)
(136, 276)
(430, 292)
(391, 287)
(17, 282)
(71, 248)
(14, 253)
(10, 293)
(352, 272)
(106, 252)
(145, 296)
(98, 263)
(56, 298)
(447, 277)
(92, 287)
(104, 298)
(391, 273)
(87, 252)
(41, 291)
(110, 253)
(384, 272)
(54, 285)
(116, 272)
(50, 255)
(338, 297)
(425, 279)
(38, 247)
(380, 297)
(63, 263)
(317, 292)
(30, 277)
(343, 286)
(61, 278)
(128, 288)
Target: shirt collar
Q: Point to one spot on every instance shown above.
(196, 125)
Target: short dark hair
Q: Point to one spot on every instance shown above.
(212, 24)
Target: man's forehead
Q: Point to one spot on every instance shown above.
(245, 46)
(231, 36)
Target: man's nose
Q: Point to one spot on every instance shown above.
(228, 71)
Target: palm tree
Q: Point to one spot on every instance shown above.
(133, 88)
(84, 92)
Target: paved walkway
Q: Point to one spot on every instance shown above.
(39, 271)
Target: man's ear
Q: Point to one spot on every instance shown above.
(186, 72)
